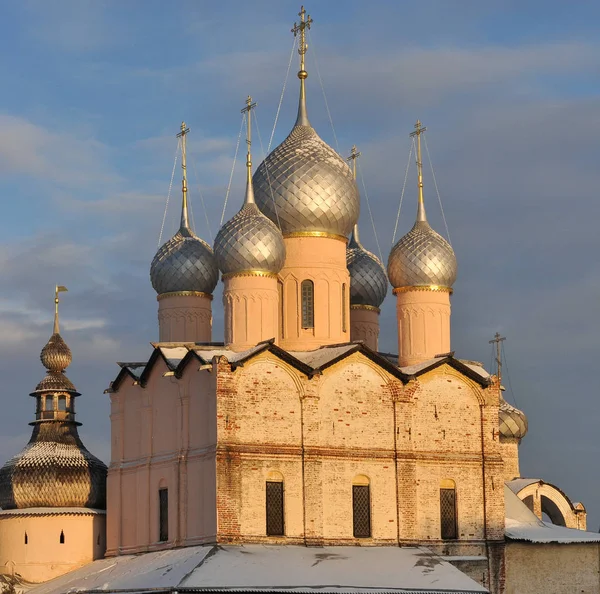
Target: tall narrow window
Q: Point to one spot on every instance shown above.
(275, 525)
(448, 524)
(48, 403)
(62, 537)
(62, 403)
(163, 515)
(281, 311)
(361, 507)
(344, 323)
(307, 288)
(26, 539)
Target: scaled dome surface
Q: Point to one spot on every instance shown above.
(249, 241)
(368, 281)
(305, 186)
(512, 421)
(184, 263)
(422, 257)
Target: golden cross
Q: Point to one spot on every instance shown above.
(184, 208)
(249, 107)
(301, 28)
(354, 154)
(419, 129)
(497, 340)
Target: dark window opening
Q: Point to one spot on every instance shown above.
(163, 513)
(344, 322)
(307, 289)
(275, 526)
(48, 404)
(62, 537)
(281, 312)
(26, 538)
(62, 403)
(361, 511)
(449, 528)
(98, 539)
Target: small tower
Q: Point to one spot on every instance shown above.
(184, 274)
(250, 252)
(512, 423)
(307, 189)
(53, 493)
(422, 270)
(368, 285)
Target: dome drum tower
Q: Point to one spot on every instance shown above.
(250, 252)
(422, 270)
(307, 189)
(184, 274)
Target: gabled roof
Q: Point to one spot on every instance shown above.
(475, 372)
(177, 356)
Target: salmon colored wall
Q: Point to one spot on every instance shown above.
(184, 318)
(44, 557)
(364, 325)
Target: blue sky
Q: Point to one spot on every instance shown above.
(94, 92)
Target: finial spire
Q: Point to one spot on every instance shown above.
(249, 189)
(300, 28)
(184, 189)
(497, 340)
(354, 154)
(419, 129)
(57, 290)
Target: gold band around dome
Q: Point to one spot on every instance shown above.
(366, 307)
(184, 294)
(436, 288)
(325, 234)
(249, 273)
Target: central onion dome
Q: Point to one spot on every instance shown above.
(368, 281)
(304, 185)
(422, 257)
(54, 469)
(512, 421)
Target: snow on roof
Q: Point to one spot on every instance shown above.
(522, 524)
(269, 568)
(173, 355)
(519, 484)
(412, 369)
(476, 368)
(322, 356)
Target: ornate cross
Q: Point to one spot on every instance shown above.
(497, 341)
(305, 22)
(354, 154)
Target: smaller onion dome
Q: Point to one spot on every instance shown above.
(249, 241)
(512, 421)
(422, 257)
(56, 355)
(185, 262)
(368, 281)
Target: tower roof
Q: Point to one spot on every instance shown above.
(185, 262)
(304, 185)
(422, 257)
(54, 469)
(249, 242)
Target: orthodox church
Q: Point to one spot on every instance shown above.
(294, 454)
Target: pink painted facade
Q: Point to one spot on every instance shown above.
(364, 325)
(185, 317)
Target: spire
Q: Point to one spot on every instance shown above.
(305, 22)
(354, 238)
(57, 290)
(419, 129)
(249, 199)
(185, 225)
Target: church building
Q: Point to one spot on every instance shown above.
(293, 454)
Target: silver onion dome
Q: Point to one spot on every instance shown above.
(368, 281)
(249, 241)
(422, 257)
(184, 263)
(304, 185)
(512, 421)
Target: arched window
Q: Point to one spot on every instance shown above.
(281, 311)
(62, 403)
(26, 538)
(344, 322)
(48, 403)
(62, 537)
(361, 507)
(307, 289)
(448, 523)
(163, 515)
(274, 505)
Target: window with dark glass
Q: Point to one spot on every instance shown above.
(361, 511)
(344, 323)
(275, 526)
(307, 289)
(62, 537)
(281, 311)
(163, 514)
(448, 523)
(48, 403)
(62, 403)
